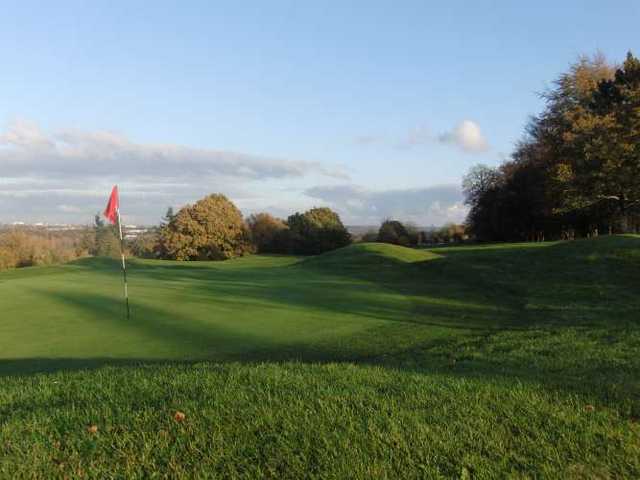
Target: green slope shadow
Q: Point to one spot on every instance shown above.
(575, 284)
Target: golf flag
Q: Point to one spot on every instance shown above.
(113, 206)
(112, 213)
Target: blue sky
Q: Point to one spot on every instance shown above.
(373, 108)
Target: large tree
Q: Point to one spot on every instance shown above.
(606, 135)
(577, 167)
(210, 229)
(393, 231)
(316, 231)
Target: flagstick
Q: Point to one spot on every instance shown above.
(124, 267)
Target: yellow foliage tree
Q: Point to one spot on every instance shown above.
(210, 229)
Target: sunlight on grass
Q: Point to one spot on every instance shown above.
(488, 360)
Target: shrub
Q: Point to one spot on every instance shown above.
(30, 247)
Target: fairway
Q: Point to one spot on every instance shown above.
(258, 307)
(345, 304)
(512, 358)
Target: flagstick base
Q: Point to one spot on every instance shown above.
(124, 266)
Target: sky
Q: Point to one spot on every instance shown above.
(375, 109)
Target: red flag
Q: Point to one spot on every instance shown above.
(111, 212)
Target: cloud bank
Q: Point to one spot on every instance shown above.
(25, 150)
(424, 206)
(66, 174)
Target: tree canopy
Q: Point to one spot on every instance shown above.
(393, 231)
(577, 169)
(316, 231)
(266, 232)
(210, 229)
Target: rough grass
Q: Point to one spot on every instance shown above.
(372, 361)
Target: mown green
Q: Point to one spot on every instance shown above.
(516, 360)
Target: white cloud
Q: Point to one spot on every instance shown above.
(435, 205)
(69, 208)
(64, 176)
(466, 135)
(27, 150)
(26, 134)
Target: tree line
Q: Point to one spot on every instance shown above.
(576, 172)
(213, 229)
(409, 235)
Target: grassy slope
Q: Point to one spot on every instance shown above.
(478, 361)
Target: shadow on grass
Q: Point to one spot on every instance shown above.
(593, 384)
(556, 286)
(569, 283)
(400, 292)
(605, 380)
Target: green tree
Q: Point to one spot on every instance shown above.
(167, 217)
(478, 181)
(393, 231)
(316, 231)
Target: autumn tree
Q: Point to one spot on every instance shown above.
(607, 137)
(145, 245)
(266, 232)
(210, 229)
(576, 169)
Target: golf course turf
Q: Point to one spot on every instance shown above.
(372, 361)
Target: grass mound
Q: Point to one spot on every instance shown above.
(369, 255)
(374, 360)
